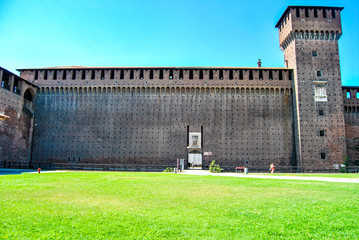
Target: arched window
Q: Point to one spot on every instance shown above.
(28, 95)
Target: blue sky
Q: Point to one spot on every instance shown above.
(47, 33)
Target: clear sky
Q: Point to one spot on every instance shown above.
(232, 33)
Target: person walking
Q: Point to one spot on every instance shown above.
(271, 168)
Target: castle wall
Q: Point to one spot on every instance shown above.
(15, 131)
(148, 125)
(351, 114)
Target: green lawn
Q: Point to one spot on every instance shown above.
(333, 175)
(116, 205)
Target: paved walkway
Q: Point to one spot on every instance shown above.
(273, 176)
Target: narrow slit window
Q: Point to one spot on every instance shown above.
(306, 12)
(221, 74)
(171, 74)
(323, 155)
(297, 12)
(54, 77)
(112, 76)
(102, 74)
(357, 95)
(348, 95)
(181, 74)
(314, 53)
(290, 75)
(45, 75)
(201, 74)
(191, 74)
(231, 74)
(260, 75)
(321, 112)
(83, 74)
(333, 13)
(73, 74)
(251, 74)
(161, 74)
(92, 74)
(64, 74)
(151, 73)
(319, 73)
(36, 75)
(315, 13)
(240, 74)
(211, 74)
(280, 75)
(141, 73)
(270, 75)
(131, 74)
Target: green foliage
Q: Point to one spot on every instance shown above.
(168, 169)
(129, 205)
(214, 168)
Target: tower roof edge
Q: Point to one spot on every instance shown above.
(311, 7)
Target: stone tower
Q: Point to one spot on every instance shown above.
(309, 37)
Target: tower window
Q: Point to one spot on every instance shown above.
(181, 74)
(45, 75)
(241, 74)
(55, 75)
(161, 73)
(314, 53)
(171, 74)
(260, 75)
(112, 74)
(36, 75)
(211, 74)
(64, 74)
(122, 74)
(151, 73)
(231, 74)
(321, 112)
(141, 74)
(73, 74)
(191, 74)
(251, 74)
(333, 13)
(280, 75)
(270, 75)
(297, 12)
(221, 74)
(349, 95)
(102, 74)
(323, 155)
(93, 74)
(357, 95)
(322, 133)
(306, 12)
(83, 74)
(201, 74)
(315, 13)
(319, 73)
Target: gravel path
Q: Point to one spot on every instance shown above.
(273, 176)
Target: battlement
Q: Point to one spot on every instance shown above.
(351, 100)
(158, 76)
(313, 23)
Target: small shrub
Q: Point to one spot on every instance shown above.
(168, 169)
(214, 168)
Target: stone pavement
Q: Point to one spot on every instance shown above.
(273, 176)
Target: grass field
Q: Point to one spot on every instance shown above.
(333, 175)
(116, 205)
